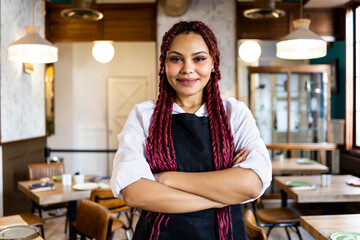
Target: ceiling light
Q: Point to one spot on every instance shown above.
(82, 9)
(249, 51)
(103, 51)
(301, 43)
(175, 8)
(264, 9)
(32, 48)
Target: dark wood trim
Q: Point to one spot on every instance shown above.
(291, 68)
(324, 22)
(16, 156)
(121, 22)
(350, 163)
(22, 140)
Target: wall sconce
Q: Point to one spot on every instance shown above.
(32, 48)
(249, 51)
(103, 51)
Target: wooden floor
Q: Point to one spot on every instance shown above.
(54, 230)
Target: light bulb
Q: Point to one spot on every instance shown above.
(249, 51)
(103, 51)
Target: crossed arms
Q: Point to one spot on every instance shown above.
(181, 192)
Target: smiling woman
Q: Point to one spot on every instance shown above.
(201, 155)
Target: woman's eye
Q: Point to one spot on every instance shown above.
(199, 59)
(175, 59)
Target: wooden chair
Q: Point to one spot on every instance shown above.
(253, 231)
(276, 217)
(106, 198)
(42, 170)
(34, 220)
(92, 220)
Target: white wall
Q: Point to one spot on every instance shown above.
(22, 94)
(80, 99)
(22, 102)
(219, 15)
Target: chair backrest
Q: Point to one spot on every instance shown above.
(40, 170)
(106, 198)
(253, 231)
(92, 219)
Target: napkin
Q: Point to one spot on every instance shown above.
(311, 187)
(43, 189)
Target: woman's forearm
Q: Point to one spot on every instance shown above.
(156, 197)
(229, 186)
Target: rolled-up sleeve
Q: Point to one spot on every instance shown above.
(246, 134)
(130, 163)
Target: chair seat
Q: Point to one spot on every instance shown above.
(278, 215)
(32, 219)
(117, 224)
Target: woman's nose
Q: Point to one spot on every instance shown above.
(187, 68)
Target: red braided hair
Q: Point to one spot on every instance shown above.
(160, 151)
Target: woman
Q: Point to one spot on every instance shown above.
(188, 159)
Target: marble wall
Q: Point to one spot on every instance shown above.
(22, 94)
(220, 16)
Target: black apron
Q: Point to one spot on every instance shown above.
(192, 142)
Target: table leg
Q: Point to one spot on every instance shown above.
(72, 208)
(283, 198)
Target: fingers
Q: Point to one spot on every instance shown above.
(240, 156)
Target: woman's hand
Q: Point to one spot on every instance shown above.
(240, 156)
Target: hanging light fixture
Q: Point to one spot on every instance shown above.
(301, 43)
(103, 51)
(249, 51)
(32, 48)
(264, 9)
(82, 10)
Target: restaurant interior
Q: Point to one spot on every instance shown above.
(65, 109)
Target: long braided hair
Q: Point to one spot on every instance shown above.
(160, 151)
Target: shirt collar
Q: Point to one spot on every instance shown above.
(201, 112)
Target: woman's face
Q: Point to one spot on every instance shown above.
(188, 65)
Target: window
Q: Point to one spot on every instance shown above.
(353, 77)
(357, 76)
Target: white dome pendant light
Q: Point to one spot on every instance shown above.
(249, 51)
(301, 43)
(103, 51)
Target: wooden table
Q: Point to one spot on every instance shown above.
(290, 166)
(59, 195)
(339, 191)
(321, 147)
(13, 221)
(321, 227)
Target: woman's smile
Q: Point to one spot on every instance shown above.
(187, 81)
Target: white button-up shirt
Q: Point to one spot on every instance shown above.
(130, 164)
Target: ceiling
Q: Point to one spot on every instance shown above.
(325, 4)
(308, 3)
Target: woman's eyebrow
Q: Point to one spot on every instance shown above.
(196, 53)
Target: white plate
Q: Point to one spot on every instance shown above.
(345, 236)
(85, 186)
(18, 232)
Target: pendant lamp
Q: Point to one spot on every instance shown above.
(301, 43)
(32, 48)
